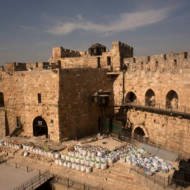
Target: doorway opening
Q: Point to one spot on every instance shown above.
(40, 127)
(139, 134)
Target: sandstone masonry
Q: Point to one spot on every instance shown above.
(58, 94)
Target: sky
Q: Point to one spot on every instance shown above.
(30, 28)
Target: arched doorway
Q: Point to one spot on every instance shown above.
(150, 98)
(172, 100)
(40, 127)
(139, 134)
(131, 97)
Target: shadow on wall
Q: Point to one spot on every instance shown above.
(6, 125)
(181, 177)
(78, 114)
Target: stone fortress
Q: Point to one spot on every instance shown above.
(76, 93)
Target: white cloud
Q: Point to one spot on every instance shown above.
(126, 21)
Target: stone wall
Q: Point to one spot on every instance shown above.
(78, 113)
(66, 99)
(67, 85)
(20, 91)
(171, 62)
(79, 62)
(60, 52)
(46, 83)
(166, 131)
(3, 130)
(12, 88)
(87, 62)
(118, 52)
(169, 132)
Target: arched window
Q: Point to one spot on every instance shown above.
(1, 99)
(150, 98)
(131, 98)
(172, 100)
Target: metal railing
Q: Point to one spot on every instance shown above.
(35, 182)
(180, 108)
(70, 183)
(164, 181)
(182, 111)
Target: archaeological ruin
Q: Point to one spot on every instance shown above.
(122, 120)
(77, 93)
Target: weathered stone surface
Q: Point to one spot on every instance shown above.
(118, 52)
(66, 103)
(141, 75)
(68, 81)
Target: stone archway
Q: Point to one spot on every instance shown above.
(150, 98)
(140, 133)
(131, 97)
(40, 127)
(172, 100)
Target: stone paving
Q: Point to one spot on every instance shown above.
(11, 177)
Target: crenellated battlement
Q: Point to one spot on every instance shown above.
(60, 52)
(97, 56)
(58, 95)
(170, 62)
(11, 68)
(123, 49)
